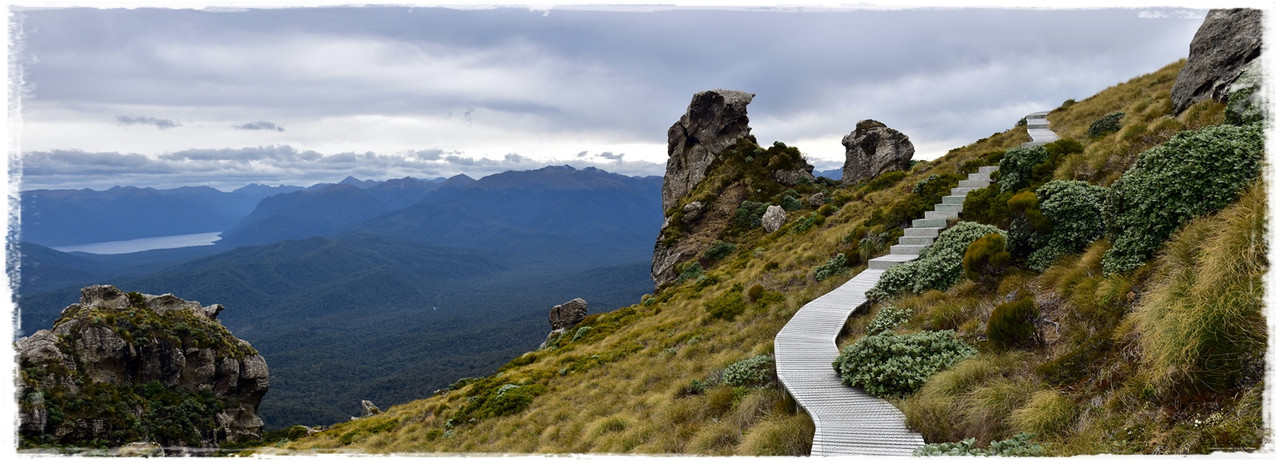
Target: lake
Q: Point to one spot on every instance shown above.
(146, 243)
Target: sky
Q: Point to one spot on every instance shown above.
(224, 97)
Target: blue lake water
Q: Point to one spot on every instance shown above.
(146, 243)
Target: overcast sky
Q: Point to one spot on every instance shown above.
(152, 97)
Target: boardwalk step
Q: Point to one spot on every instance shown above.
(945, 215)
(906, 249)
(922, 231)
(889, 261)
(987, 169)
(957, 199)
(915, 240)
(929, 222)
(945, 207)
(974, 183)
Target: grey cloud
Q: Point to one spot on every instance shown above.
(162, 124)
(259, 125)
(611, 156)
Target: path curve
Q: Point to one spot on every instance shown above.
(847, 420)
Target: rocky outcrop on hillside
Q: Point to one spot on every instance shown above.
(873, 148)
(715, 120)
(715, 168)
(118, 368)
(564, 316)
(1223, 47)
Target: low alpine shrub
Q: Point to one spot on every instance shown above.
(1109, 123)
(940, 265)
(757, 372)
(889, 365)
(833, 266)
(728, 305)
(1013, 324)
(986, 259)
(1075, 210)
(888, 318)
(1017, 165)
(718, 250)
(1194, 173)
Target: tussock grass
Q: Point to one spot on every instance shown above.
(779, 435)
(1202, 323)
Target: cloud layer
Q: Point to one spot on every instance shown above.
(546, 85)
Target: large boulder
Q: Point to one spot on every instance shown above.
(873, 148)
(773, 219)
(1225, 44)
(715, 120)
(114, 363)
(568, 314)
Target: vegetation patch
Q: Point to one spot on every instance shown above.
(940, 265)
(756, 372)
(889, 365)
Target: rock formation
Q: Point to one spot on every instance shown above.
(368, 408)
(1225, 44)
(774, 217)
(114, 364)
(715, 120)
(872, 149)
(564, 316)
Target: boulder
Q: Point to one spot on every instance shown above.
(872, 149)
(793, 177)
(368, 408)
(714, 121)
(568, 314)
(128, 343)
(1225, 44)
(818, 200)
(774, 217)
(692, 211)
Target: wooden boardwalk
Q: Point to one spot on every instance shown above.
(846, 420)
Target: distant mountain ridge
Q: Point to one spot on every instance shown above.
(56, 217)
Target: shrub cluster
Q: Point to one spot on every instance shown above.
(691, 271)
(1109, 123)
(791, 204)
(940, 265)
(1018, 446)
(889, 365)
(757, 372)
(887, 318)
(986, 259)
(1193, 174)
(728, 305)
(718, 250)
(833, 266)
(1075, 210)
(748, 214)
(1013, 324)
(1017, 165)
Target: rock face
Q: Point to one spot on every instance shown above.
(1225, 44)
(715, 120)
(773, 219)
(115, 363)
(568, 314)
(564, 316)
(872, 149)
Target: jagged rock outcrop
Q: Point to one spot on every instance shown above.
(120, 368)
(773, 219)
(564, 316)
(715, 120)
(368, 408)
(1223, 47)
(873, 148)
(568, 314)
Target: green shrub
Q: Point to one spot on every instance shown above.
(1027, 225)
(1109, 123)
(1017, 165)
(1013, 324)
(748, 214)
(887, 318)
(581, 332)
(889, 365)
(885, 180)
(1075, 210)
(1193, 174)
(754, 293)
(985, 260)
(988, 206)
(833, 266)
(827, 210)
(757, 372)
(728, 305)
(691, 271)
(791, 204)
(718, 250)
(940, 265)
(1018, 446)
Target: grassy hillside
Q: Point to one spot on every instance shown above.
(675, 373)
